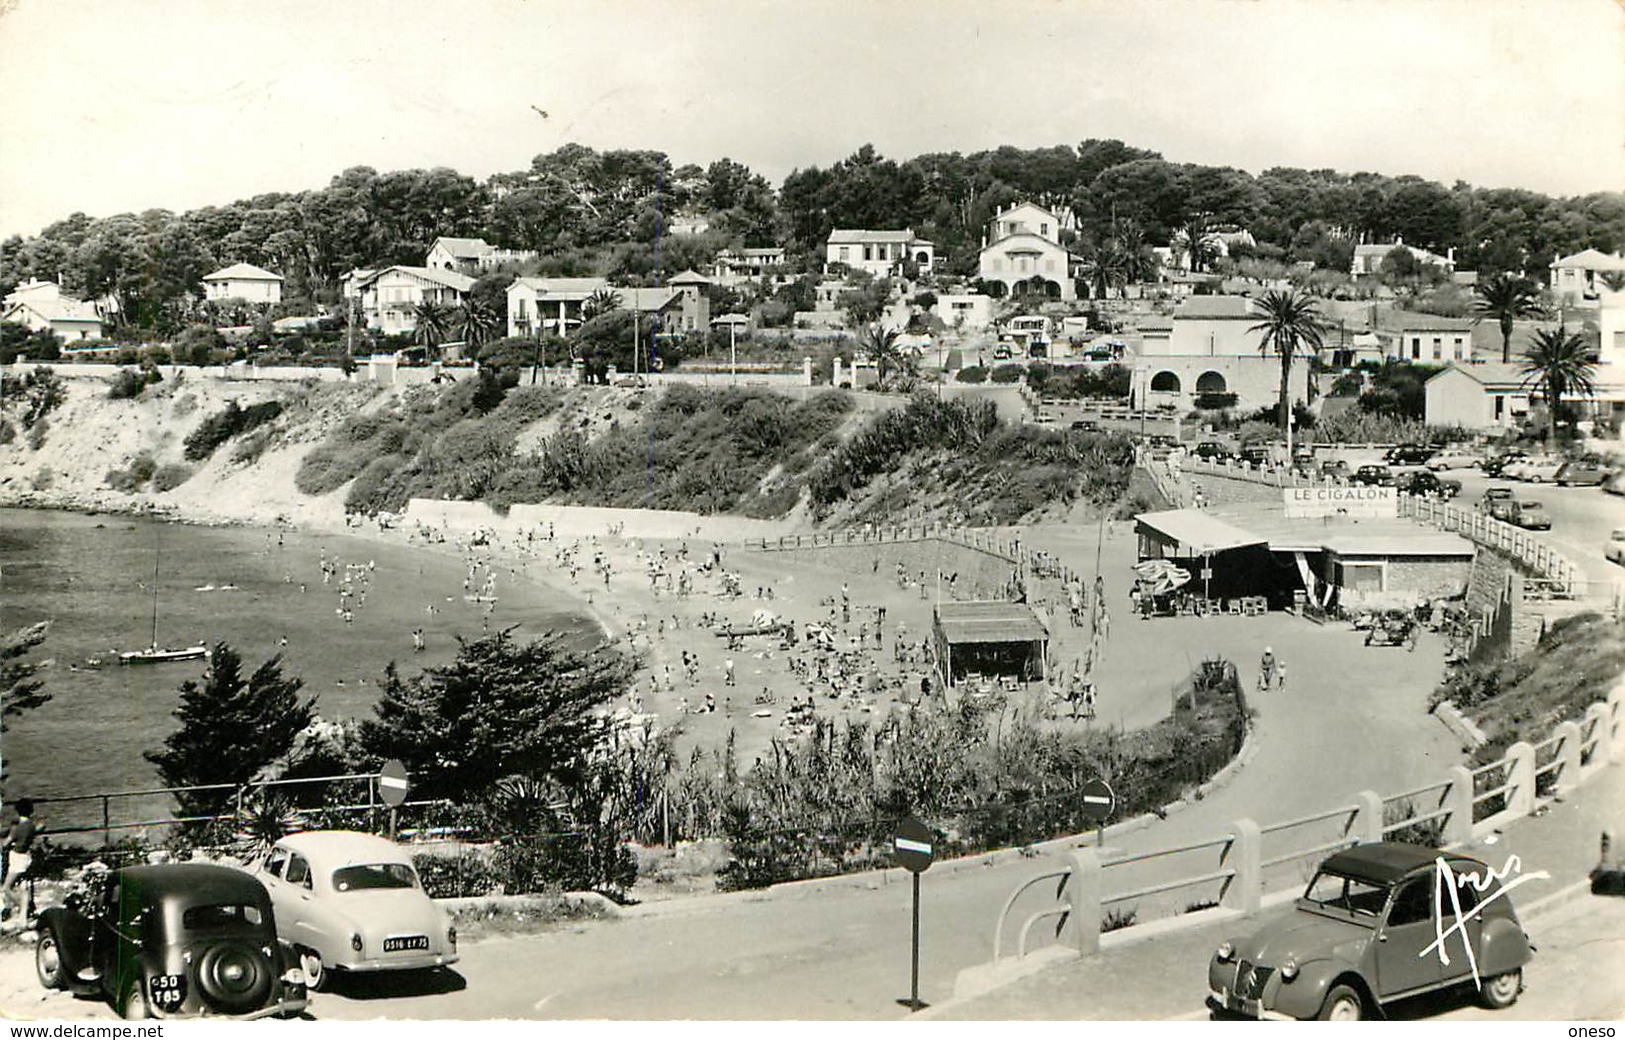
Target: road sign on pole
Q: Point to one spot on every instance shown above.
(1099, 802)
(911, 848)
(392, 784)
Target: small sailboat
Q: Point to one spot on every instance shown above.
(153, 654)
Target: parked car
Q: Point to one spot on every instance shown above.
(1454, 458)
(1335, 469)
(352, 902)
(1408, 455)
(1426, 482)
(1255, 455)
(1047, 418)
(1363, 935)
(1582, 472)
(1495, 501)
(1212, 451)
(1540, 470)
(1615, 550)
(1529, 515)
(1086, 425)
(1374, 475)
(173, 940)
(1615, 485)
(1496, 465)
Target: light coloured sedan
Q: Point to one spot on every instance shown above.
(1455, 458)
(1542, 470)
(1615, 552)
(352, 902)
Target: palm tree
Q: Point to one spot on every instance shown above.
(1613, 281)
(433, 320)
(1558, 363)
(1105, 267)
(477, 321)
(1506, 298)
(601, 302)
(1197, 248)
(1291, 325)
(881, 342)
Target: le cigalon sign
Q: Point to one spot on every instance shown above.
(1341, 501)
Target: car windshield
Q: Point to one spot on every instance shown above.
(223, 915)
(374, 875)
(1531, 507)
(1341, 892)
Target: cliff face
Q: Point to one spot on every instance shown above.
(91, 437)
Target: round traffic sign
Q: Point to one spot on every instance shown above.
(912, 845)
(1098, 800)
(392, 782)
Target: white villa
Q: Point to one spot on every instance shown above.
(1022, 254)
(390, 296)
(243, 282)
(881, 253)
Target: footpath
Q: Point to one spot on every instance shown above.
(1576, 973)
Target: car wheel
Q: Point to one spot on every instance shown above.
(1342, 1004)
(317, 977)
(48, 960)
(132, 1000)
(1501, 991)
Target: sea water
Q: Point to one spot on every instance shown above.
(93, 578)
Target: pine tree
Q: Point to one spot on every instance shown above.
(19, 690)
(500, 709)
(230, 728)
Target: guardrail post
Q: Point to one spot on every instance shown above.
(1568, 775)
(1246, 889)
(1458, 826)
(1521, 775)
(1083, 899)
(1614, 733)
(1596, 720)
(1368, 821)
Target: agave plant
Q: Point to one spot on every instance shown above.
(260, 821)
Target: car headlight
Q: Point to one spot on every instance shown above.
(451, 936)
(293, 977)
(1289, 970)
(1225, 952)
(355, 942)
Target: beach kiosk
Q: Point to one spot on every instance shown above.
(988, 638)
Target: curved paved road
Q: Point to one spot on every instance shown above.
(1352, 719)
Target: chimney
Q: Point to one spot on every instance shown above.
(1450, 254)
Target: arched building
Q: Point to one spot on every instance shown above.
(1207, 352)
(1022, 255)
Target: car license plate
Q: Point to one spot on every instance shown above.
(397, 943)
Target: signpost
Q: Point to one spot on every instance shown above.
(1099, 802)
(911, 848)
(392, 785)
(1320, 502)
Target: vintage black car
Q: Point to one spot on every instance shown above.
(172, 940)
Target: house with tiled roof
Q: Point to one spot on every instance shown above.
(72, 320)
(1426, 339)
(1022, 254)
(1489, 395)
(881, 253)
(470, 256)
(695, 315)
(552, 306)
(1581, 279)
(390, 296)
(1368, 257)
(243, 282)
(739, 264)
(1207, 350)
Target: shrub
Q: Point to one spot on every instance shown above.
(131, 382)
(451, 877)
(171, 476)
(133, 477)
(252, 446)
(44, 477)
(1006, 373)
(973, 374)
(36, 434)
(224, 425)
(1118, 918)
(1429, 833)
(1212, 401)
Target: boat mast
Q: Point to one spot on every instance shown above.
(154, 643)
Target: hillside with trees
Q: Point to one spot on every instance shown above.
(609, 213)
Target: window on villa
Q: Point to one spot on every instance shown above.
(843, 253)
(1043, 229)
(1500, 407)
(1461, 350)
(1416, 348)
(1438, 348)
(868, 252)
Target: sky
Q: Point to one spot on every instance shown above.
(110, 106)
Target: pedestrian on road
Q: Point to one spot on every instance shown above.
(1280, 676)
(1266, 670)
(19, 843)
(728, 673)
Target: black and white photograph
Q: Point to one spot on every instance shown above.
(795, 511)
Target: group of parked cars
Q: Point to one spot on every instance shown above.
(198, 939)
